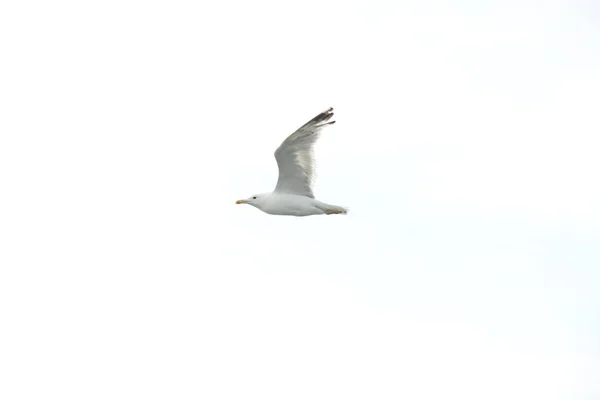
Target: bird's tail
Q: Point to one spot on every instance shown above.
(331, 209)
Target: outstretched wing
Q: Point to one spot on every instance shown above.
(295, 157)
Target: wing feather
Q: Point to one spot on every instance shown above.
(295, 157)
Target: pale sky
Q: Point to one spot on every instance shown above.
(466, 149)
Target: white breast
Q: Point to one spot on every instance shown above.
(290, 204)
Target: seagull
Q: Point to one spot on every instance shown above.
(293, 194)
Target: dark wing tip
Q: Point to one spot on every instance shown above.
(325, 123)
(320, 120)
(322, 117)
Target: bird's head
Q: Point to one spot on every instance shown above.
(254, 200)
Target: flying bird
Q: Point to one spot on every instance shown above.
(293, 194)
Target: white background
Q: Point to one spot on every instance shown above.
(466, 148)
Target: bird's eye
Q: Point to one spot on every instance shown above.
(254, 197)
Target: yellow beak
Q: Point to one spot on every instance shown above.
(241, 202)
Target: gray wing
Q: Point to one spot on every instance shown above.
(295, 157)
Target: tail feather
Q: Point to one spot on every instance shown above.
(331, 209)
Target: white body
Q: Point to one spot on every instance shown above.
(293, 204)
